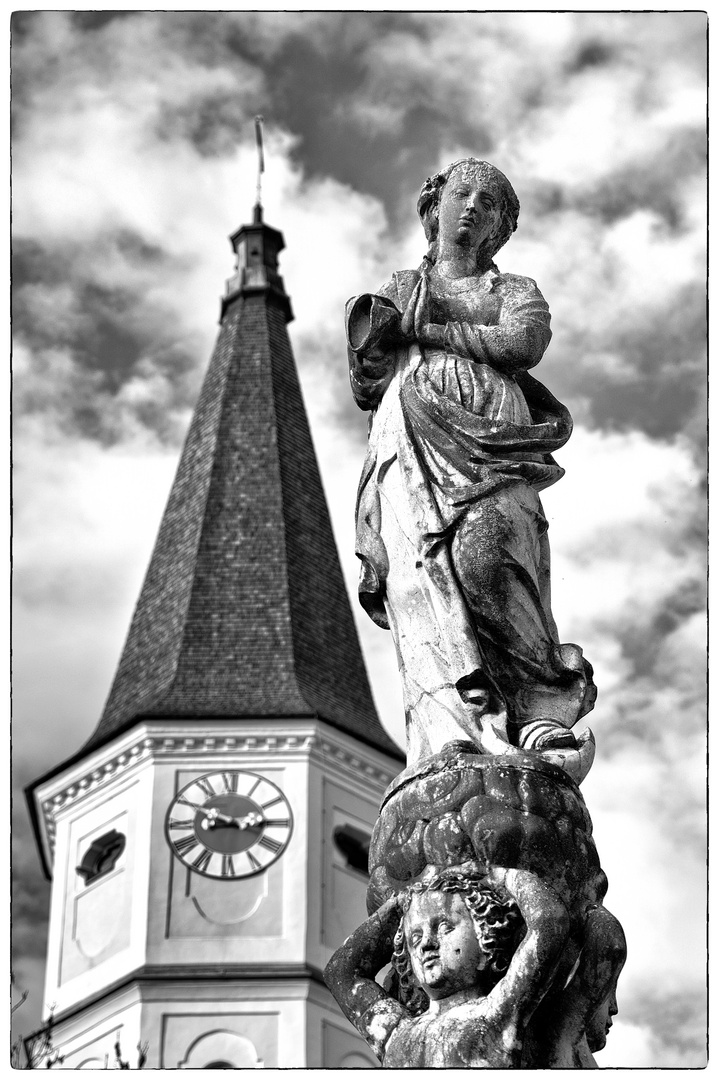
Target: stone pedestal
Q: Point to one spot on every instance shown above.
(461, 808)
(497, 850)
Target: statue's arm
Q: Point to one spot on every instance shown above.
(537, 957)
(519, 339)
(372, 323)
(350, 976)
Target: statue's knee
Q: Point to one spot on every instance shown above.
(478, 551)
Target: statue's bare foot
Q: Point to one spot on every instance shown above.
(545, 734)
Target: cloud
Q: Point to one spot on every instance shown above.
(134, 158)
(152, 90)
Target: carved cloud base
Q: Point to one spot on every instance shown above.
(490, 820)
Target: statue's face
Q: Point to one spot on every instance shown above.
(469, 209)
(443, 948)
(599, 1025)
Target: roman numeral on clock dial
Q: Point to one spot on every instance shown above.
(206, 787)
(270, 844)
(203, 860)
(180, 823)
(231, 780)
(272, 802)
(185, 844)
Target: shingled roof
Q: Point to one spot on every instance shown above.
(244, 611)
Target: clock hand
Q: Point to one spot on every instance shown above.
(250, 820)
(213, 816)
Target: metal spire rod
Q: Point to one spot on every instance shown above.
(259, 121)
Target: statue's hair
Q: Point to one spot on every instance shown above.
(498, 925)
(429, 197)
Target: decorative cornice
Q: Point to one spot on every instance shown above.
(323, 748)
(164, 974)
(319, 746)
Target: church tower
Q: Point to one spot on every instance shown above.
(208, 845)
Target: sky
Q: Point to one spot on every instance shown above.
(133, 161)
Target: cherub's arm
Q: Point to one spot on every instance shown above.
(519, 339)
(350, 975)
(537, 957)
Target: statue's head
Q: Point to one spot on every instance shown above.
(494, 182)
(455, 934)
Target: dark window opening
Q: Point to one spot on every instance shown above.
(354, 845)
(101, 857)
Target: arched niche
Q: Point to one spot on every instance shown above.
(222, 1050)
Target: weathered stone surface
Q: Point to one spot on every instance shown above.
(450, 528)
(460, 806)
(464, 844)
(472, 957)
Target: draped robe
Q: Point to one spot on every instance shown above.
(450, 528)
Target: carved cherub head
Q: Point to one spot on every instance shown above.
(494, 182)
(455, 934)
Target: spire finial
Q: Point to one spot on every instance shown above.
(259, 121)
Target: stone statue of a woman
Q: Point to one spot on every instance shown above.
(450, 527)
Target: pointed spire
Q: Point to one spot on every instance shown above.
(259, 120)
(244, 611)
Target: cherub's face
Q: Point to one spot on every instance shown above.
(442, 943)
(469, 208)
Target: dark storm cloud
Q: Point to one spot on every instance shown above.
(678, 1022)
(640, 643)
(30, 891)
(315, 73)
(327, 79)
(213, 124)
(653, 182)
(107, 336)
(590, 54)
(336, 78)
(659, 381)
(95, 20)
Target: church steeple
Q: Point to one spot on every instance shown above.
(244, 611)
(257, 247)
(198, 841)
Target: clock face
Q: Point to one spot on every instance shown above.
(229, 824)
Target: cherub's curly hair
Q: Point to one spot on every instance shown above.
(497, 922)
(428, 206)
